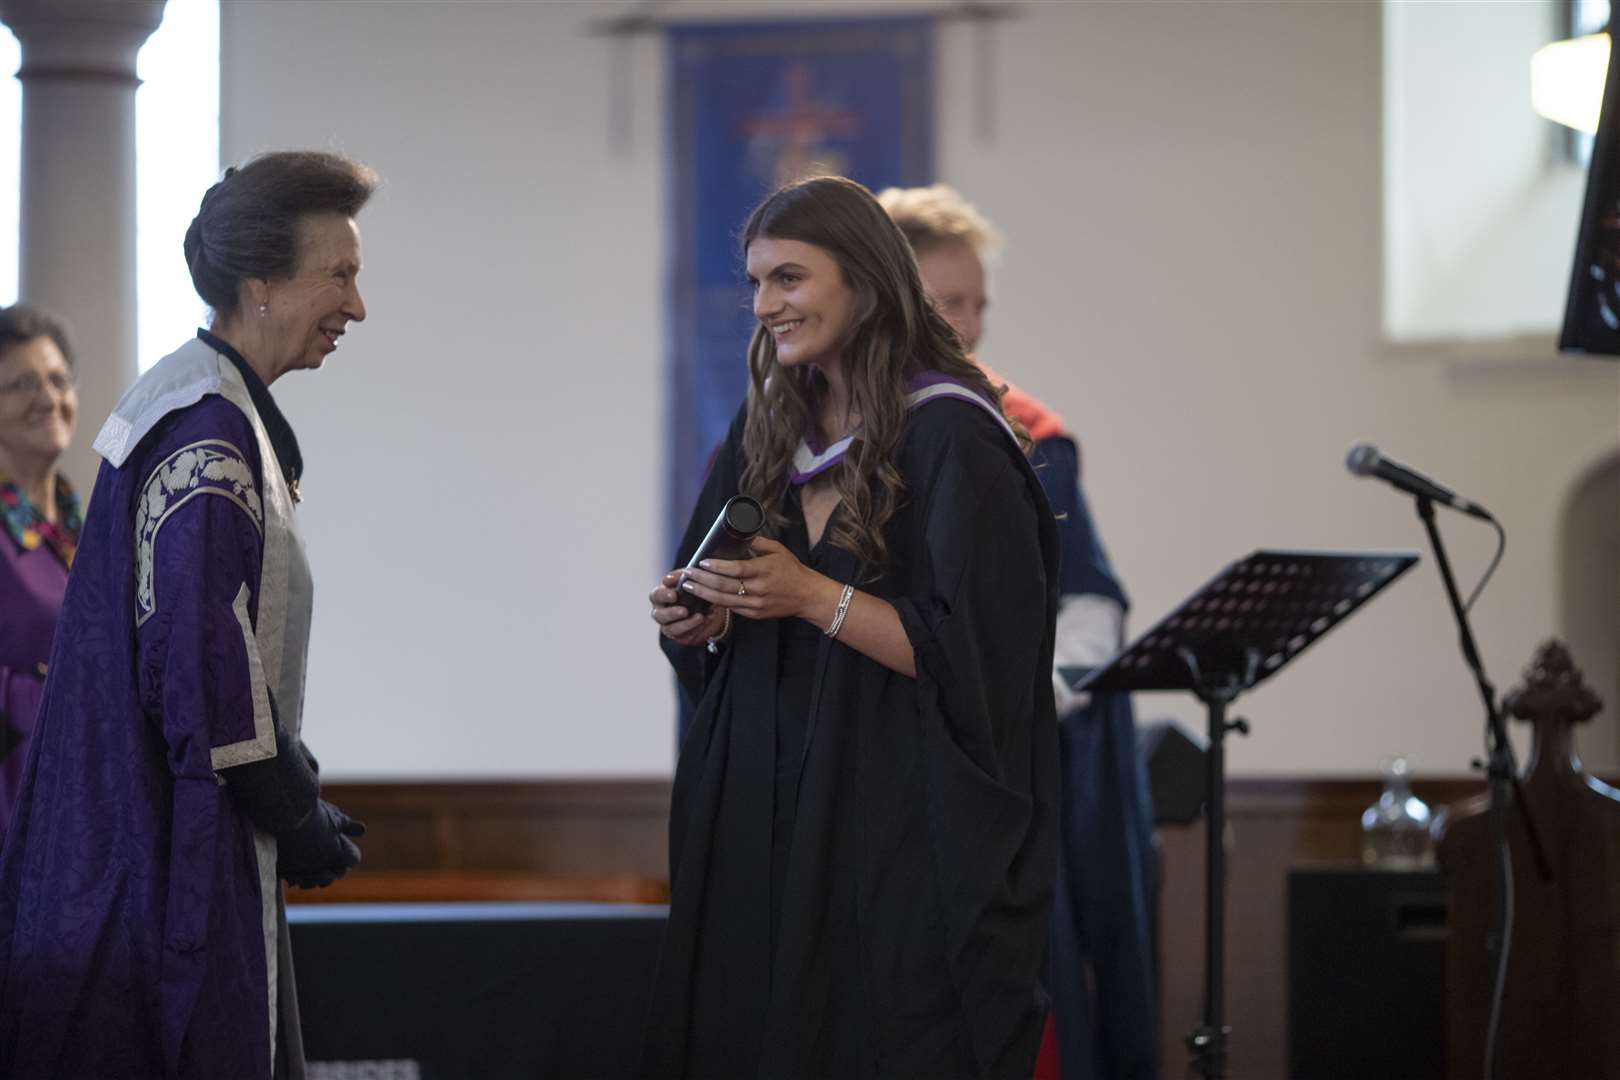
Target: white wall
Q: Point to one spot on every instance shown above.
(1191, 195)
(482, 496)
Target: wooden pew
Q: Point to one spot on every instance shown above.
(1560, 1014)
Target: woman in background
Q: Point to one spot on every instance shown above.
(39, 517)
(863, 831)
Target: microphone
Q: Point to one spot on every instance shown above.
(1365, 460)
(739, 522)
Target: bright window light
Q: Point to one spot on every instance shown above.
(1588, 17)
(10, 163)
(1566, 81)
(177, 158)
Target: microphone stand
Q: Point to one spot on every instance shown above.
(1502, 784)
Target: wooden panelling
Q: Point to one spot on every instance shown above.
(607, 840)
(579, 831)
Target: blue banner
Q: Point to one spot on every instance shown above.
(752, 107)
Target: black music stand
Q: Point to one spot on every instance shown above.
(1228, 637)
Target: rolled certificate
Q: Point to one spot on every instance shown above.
(739, 522)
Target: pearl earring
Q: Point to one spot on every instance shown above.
(264, 309)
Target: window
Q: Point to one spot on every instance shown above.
(1481, 200)
(1585, 17)
(10, 164)
(1588, 17)
(177, 158)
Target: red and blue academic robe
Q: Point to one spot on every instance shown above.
(1103, 979)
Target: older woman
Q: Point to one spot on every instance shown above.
(141, 927)
(39, 515)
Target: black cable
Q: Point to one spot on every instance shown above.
(1500, 772)
(1504, 949)
(1496, 560)
(1493, 1032)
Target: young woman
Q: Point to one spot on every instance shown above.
(863, 833)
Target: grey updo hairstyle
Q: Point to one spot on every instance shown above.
(247, 225)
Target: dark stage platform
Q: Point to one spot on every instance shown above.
(486, 991)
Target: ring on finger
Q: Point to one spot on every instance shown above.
(742, 589)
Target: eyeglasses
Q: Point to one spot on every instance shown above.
(31, 384)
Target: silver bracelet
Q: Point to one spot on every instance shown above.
(843, 609)
(725, 632)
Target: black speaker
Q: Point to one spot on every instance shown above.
(1366, 974)
(1175, 771)
(543, 991)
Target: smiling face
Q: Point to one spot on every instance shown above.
(38, 404)
(801, 300)
(306, 312)
(953, 274)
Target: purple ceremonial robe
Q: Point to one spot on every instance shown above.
(133, 914)
(31, 586)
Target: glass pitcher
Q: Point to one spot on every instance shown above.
(1395, 829)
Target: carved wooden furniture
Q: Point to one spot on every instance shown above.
(1561, 1006)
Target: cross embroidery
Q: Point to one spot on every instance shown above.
(799, 130)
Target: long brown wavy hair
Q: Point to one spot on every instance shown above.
(896, 335)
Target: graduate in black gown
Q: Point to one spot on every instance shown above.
(863, 836)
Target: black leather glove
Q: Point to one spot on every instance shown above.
(320, 850)
(278, 793)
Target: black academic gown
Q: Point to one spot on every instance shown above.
(918, 889)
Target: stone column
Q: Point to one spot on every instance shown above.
(78, 188)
